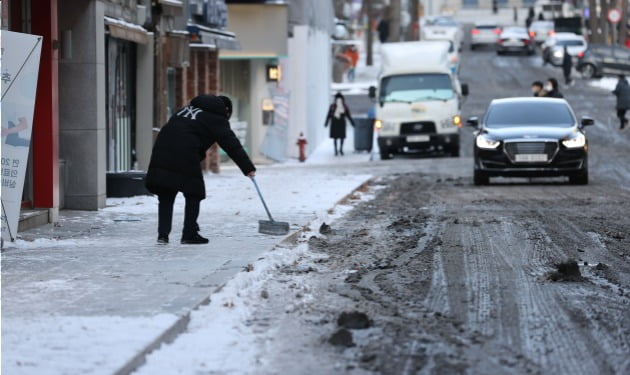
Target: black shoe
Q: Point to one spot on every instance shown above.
(341, 152)
(162, 240)
(195, 239)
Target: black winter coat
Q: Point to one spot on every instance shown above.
(567, 64)
(182, 143)
(338, 125)
(622, 92)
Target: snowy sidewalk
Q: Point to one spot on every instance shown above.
(91, 295)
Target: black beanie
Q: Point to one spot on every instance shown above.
(228, 105)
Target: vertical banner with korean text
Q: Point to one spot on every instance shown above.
(19, 66)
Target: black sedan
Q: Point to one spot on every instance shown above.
(602, 59)
(530, 137)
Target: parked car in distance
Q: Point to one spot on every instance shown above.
(601, 59)
(484, 33)
(553, 47)
(515, 39)
(530, 137)
(443, 28)
(541, 30)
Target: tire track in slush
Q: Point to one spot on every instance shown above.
(553, 340)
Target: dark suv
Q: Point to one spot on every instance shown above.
(601, 59)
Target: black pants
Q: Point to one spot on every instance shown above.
(340, 145)
(165, 213)
(621, 113)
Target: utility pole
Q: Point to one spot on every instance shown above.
(623, 28)
(593, 21)
(369, 35)
(394, 21)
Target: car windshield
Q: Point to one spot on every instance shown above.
(518, 114)
(569, 43)
(515, 30)
(444, 22)
(416, 87)
(486, 27)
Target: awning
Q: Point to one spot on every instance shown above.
(209, 37)
(127, 30)
(171, 7)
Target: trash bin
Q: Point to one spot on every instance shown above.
(125, 184)
(363, 133)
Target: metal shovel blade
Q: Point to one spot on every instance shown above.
(275, 228)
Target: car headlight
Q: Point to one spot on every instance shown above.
(558, 53)
(385, 126)
(452, 121)
(576, 142)
(487, 144)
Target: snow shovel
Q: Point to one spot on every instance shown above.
(276, 228)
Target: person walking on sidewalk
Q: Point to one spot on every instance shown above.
(552, 89)
(175, 165)
(622, 92)
(337, 114)
(352, 53)
(567, 66)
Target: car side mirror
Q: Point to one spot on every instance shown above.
(372, 92)
(587, 121)
(465, 90)
(473, 121)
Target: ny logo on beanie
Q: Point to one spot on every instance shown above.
(189, 112)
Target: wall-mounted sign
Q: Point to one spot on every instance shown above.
(274, 73)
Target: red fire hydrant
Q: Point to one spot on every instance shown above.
(302, 145)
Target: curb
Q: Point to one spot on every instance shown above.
(181, 324)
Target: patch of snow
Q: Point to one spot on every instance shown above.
(220, 338)
(46, 243)
(606, 83)
(75, 344)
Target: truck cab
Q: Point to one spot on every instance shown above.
(418, 99)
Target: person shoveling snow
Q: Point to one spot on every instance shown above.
(177, 153)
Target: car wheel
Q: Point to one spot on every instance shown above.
(473, 47)
(499, 52)
(579, 179)
(385, 155)
(588, 71)
(480, 178)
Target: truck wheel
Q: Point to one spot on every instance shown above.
(480, 178)
(385, 155)
(454, 150)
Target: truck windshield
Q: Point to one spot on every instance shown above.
(416, 87)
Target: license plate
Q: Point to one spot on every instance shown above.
(529, 158)
(418, 138)
(513, 43)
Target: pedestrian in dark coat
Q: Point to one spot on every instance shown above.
(175, 165)
(338, 112)
(622, 92)
(383, 30)
(552, 89)
(567, 66)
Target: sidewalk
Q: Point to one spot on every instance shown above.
(92, 295)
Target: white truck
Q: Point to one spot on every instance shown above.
(418, 99)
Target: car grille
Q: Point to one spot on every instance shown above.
(420, 127)
(514, 148)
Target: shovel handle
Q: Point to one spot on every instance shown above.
(261, 198)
